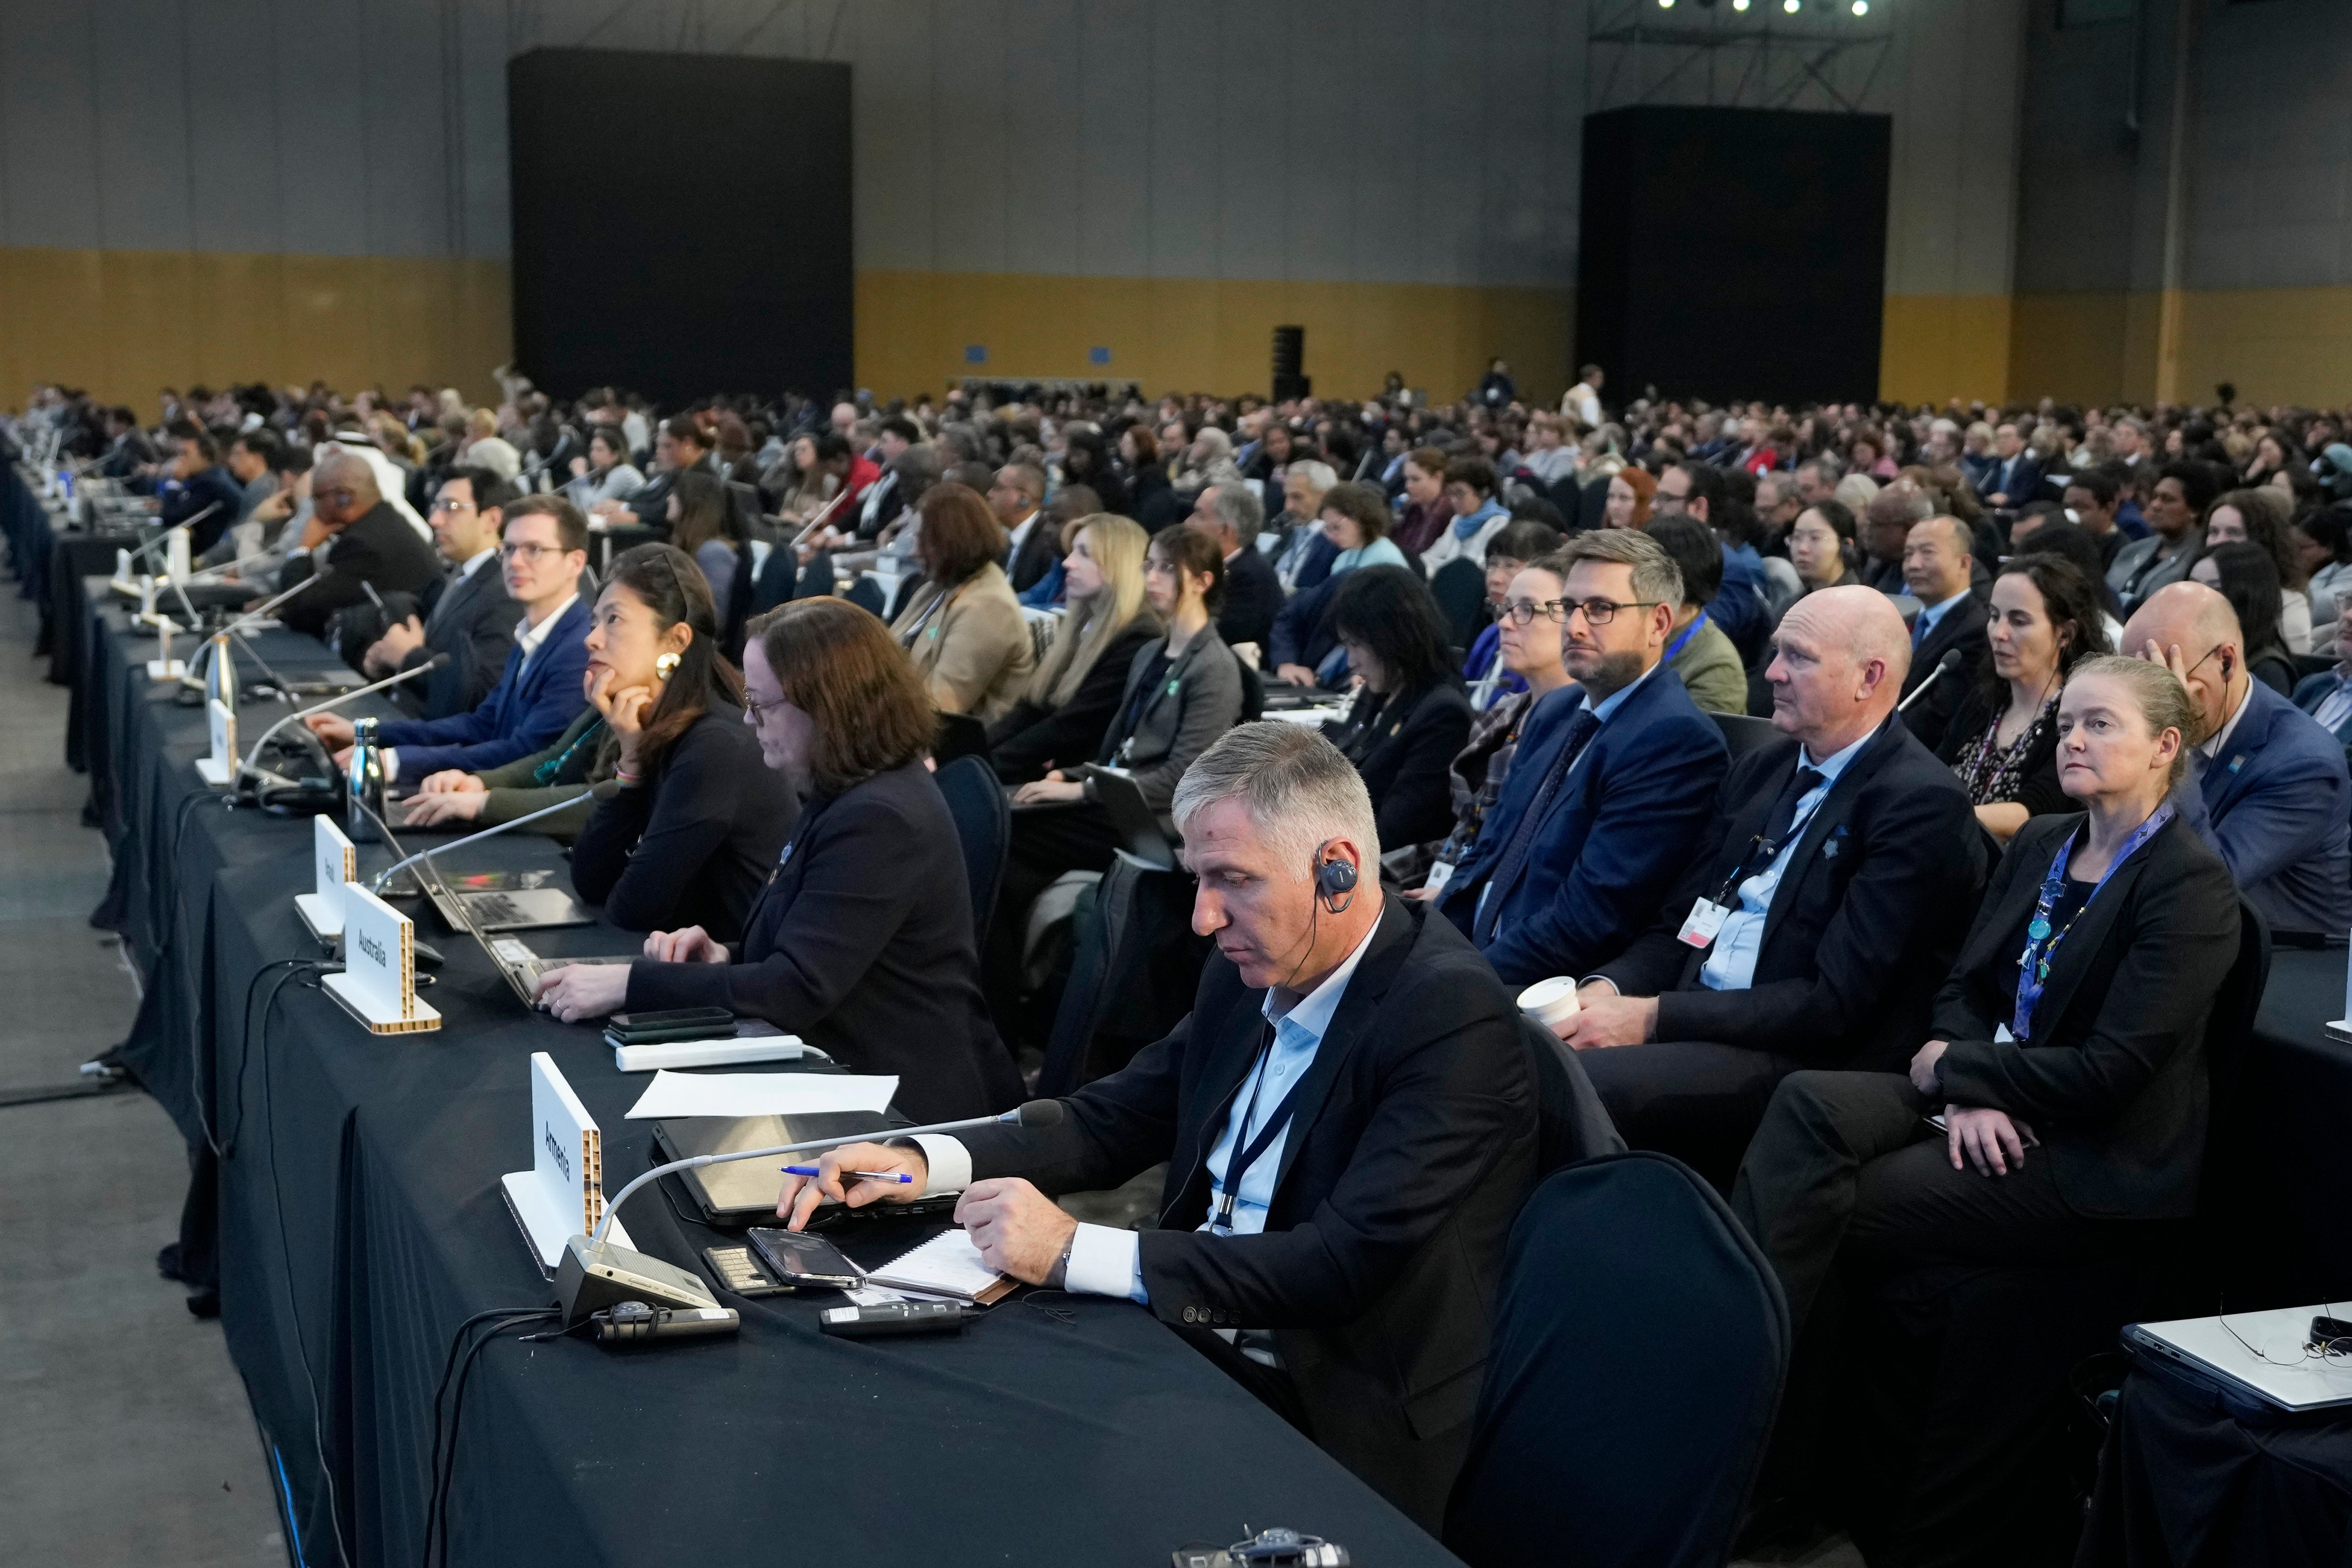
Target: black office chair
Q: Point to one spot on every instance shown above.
(960, 735)
(1140, 832)
(1253, 691)
(2307, 665)
(1460, 589)
(1744, 734)
(1640, 1343)
(1133, 972)
(984, 826)
(1571, 1124)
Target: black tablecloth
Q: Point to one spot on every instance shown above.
(2298, 1091)
(361, 1220)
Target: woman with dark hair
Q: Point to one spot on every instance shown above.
(2323, 548)
(962, 623)
(605, 473)
(2243, 575)
(2273, 452)
(1411, 716)
(1085, 460)
(2003, 741)
(2259, 517)
(1822, 545)
(702, 522)
(1147, 479)
(696, 822)
(1426, 513)
(861, 941)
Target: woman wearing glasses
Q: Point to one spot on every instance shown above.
(861, 941)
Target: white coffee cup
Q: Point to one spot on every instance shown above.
(1550, 1003)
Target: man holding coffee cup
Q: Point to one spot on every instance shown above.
(1822, 911)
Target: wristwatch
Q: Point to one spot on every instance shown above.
(1057, 1275)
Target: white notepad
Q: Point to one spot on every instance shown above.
(946, 1265)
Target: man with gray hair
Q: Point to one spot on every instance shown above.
(1229, 511)
(1612, 781)
(1347, 1117)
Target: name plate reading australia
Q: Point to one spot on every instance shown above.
(378, 985)
(336, 863)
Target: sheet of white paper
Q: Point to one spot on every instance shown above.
(761, 1094)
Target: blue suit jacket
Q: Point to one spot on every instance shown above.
(2312, 690)
(530, 706)
(1612, 840)
(2276, 804)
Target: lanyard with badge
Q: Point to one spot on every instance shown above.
(1707, 915)
(1221, 1219)
(2041, 941)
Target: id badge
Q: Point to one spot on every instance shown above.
(1440, 873)
(1707, 917)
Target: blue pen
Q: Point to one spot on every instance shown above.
(898, 1177)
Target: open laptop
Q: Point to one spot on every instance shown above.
(2217, 1351)
(506, 900)
(743, 1191)
(517, 965)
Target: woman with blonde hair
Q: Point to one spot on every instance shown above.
(1069, 702)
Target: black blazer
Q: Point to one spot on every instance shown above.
(1032, 738)
(1404, 749)
(1037, 552)
(1411, 1145)
(862, 944)
(2114, 1081)
(1962, 627)
(378, 548)
(473, 621)
(691, 844)
(1252, 598)
(1864, 924)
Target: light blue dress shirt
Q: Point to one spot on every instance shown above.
(1731, 966)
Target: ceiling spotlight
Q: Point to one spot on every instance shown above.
(1665, 5)
(1862, 7)
(1792, 7)
(1739, 4)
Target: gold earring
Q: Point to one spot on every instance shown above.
(666, 666)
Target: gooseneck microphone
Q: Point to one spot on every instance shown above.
(1951, 661)
(253, 757)
(382, 878)
(1035, 1113)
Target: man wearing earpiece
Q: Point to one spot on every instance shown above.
(1348, 1118)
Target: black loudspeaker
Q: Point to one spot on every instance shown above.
(1290, 364)
(1735, 252)
(681, 223)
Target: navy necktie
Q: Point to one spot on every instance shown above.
(1783, 814)
(1580, 730)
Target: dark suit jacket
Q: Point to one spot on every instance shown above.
(2314, 689)
(1864, 924)
(215, 487)
(530, 706)
(1403, 750)
(2114, 1079)
(1615, 837)
(2275, 804)
(1410, 1147)
(379, 548)
(1032, 738)
(1962, 627)
(690, 845)
(2017, 479)
(1038, 551)
(862, 944)
(472, 621)
(1252, 597)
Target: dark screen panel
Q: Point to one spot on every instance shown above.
(1734, 252)
(681, 223)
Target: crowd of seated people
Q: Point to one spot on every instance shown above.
(2046, 685)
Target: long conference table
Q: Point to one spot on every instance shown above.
(360, 1221)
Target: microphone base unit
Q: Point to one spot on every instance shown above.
(595, 1275)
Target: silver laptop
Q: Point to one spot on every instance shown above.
(744, 1191)
(521, 967)
(2286, 1372)
(506, 900)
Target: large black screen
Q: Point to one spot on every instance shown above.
(1734, 252)
(681, 223)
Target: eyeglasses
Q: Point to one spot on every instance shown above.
(1600, 612)
(340, 496)
(757, 708)
(449, 504)
(528, 552)
(1521, 612)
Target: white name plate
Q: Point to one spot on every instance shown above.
(335, 863)
(378, 985)
(563, 1193)
(220, 767)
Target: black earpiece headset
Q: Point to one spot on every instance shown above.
(1335, 890)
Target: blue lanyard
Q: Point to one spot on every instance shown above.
(2041, 941)
(1676, 646)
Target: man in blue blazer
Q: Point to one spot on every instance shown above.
(2272, 794)
(2328, 696)
(544, 551)
(1612, 784)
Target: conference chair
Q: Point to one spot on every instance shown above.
(1953, 1427)
(983, 824)
(1140, 832)
(960, 735)
(1460, 589)
(1640, 1343)
(1744, 733)
(1254, 691)
(1135, 965)
(1571, 1123)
